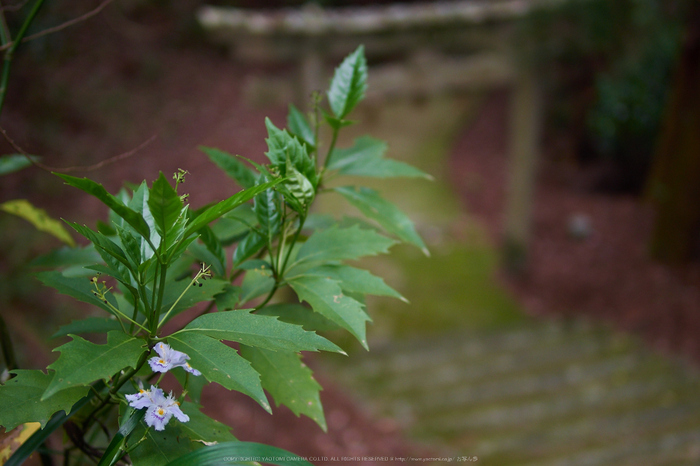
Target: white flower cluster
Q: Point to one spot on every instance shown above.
(161, 408)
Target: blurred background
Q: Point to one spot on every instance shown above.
(556, 320)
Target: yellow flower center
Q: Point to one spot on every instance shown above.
(161, 411)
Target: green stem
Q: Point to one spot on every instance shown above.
(159, 303)
(280, 249)
(330, 150)
(194, 280)
(135, 314)
(8, 351)
(268, 298)
(121, 314)
(302, 219)
(9, 54)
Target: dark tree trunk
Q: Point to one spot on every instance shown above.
(674, 185)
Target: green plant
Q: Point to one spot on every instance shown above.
(157, 259)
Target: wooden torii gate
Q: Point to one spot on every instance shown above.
(419, 49)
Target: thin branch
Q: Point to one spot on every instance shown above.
(62, 26)
(15, 7)
(87, 168)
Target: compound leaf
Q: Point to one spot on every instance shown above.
(20, 399)
(366, 158)
(370, 203)
(336, 244)
(221, 364)
(326, 297)
(82, 362)
(255, 330)
(354, 280)
(289, 381)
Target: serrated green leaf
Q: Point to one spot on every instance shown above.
(349, 83)
(57, 420)
(232, 166)
(20, 399)
(289, 381)
(299, 187)
(221, 364)
(238, 453)
(229, 298)
(336, 244)
(88, 325)
(38, 217)
(79, 288)
(66, 257)
(165, 205)
(129, 215)
(202, 427)
(256, 282)
(260, 331)
(235, 224)
(110, 252)
(139, 203)
(219, 209)
(299, 126)
(285, 149)
(82, 362)
(366, 158)
(131, 246)
(267, 210)
(326, 297)
(209, 251)
(248, 246)
(370, 203)
(353, 280)
(14, 162)
(299, 314)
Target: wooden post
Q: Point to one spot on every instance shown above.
(524, 150)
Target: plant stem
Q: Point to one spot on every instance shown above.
(268, 298)
(9, 54)
(330, 150)
(159, 303)
(8, 351)
(302, 219)
(194, 280)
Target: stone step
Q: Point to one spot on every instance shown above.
(545, 394)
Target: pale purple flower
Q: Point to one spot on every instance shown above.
(142, 398)
(160, 407)
(169, 358)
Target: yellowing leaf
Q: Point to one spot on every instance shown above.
(37, 217)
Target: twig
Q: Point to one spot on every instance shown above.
(15, 7)
(87, 168)
(62, 26)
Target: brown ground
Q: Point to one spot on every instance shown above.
(191, 96)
